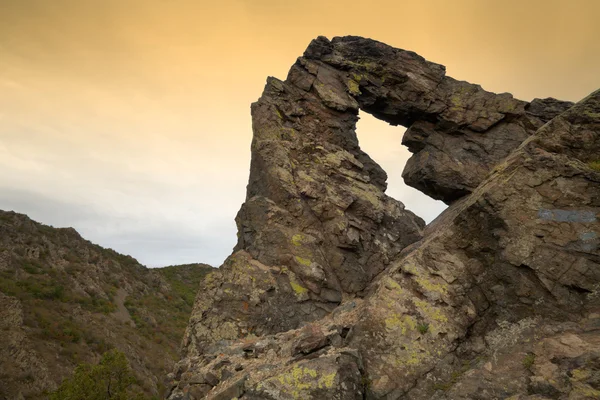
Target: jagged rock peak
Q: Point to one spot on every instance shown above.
(316, 225)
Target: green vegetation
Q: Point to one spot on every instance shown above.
(170, 311)
(44, 283)
(34, 287)
(185, 279)
(111, 379)
(68, 288)
(529, 360)
(423, 328)
(6, 217)
(595, 165)
(65, 331)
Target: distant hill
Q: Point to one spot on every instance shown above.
(65, 300)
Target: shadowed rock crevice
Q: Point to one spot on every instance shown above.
(336, 291)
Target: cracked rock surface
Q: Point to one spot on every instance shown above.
(335, 291)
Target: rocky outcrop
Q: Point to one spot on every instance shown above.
(65, 301)
(335, 291)
(20, 362)
(504, 273)
(316, 226)
(457, 131)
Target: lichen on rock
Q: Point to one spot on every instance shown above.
(351, 296)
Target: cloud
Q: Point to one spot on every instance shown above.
(154, 242)
(129, 120)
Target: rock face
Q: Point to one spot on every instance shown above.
(335, 291)
(65, 301)
(316, 225)
(457, 131)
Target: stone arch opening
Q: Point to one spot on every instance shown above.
(383, 142)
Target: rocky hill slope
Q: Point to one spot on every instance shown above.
(64, 301)
(335, 291)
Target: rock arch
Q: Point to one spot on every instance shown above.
(316, 221)
(318, 239)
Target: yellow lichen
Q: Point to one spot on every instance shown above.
(591, 113)
(415, 357)
(297, 288)
(432, 287)
(363, 65)
(393, 322)
(402, 323)
(334, 159)
(580, 375)
(356, 77)
(302, 175)
(411, 356)
(303, 261)
(456, 101)
(226, 331)
(367, 193)
(298, 239)
(326, 381)
(430, 312)
(209, 279)
(275, 134)
(300, 379)
(586, 391)
(595, 165)
(410, 269)
(393, 285)
(353, 87)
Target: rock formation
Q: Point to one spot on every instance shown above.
(457, 130)
(335, 291)
(65, 301)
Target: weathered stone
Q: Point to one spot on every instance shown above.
(494, 243)
(457, 130)
(327, 377)
(497, 299)
(316, 224)
(211, 379)
(229, 390)
(309, 339)
(197, 392)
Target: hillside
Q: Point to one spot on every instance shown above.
(64, 301)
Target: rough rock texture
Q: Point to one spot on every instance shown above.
(316, 225)
(499, 298)
(511, 269)
(64, 301)
(457, 130)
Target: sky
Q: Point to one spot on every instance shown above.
(129, 120)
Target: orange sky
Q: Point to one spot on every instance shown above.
(130, 119)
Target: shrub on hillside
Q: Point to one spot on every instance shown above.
(111, 379)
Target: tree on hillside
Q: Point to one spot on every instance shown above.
(111, 379)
